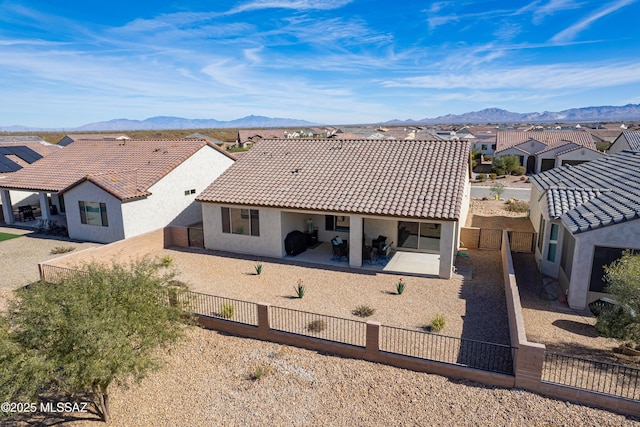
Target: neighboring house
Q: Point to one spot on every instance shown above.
(539, 151)
(110, 190)
(198, 135)
(603, 138)
(585, 216)
(17, 153)
(248, 137)
(414, 192)
(628, 140)
(68, 139)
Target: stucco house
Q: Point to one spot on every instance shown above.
(585, 216)
(628, 140)
(107, 190)
(17, 153)
(414, 192)
(539, 151)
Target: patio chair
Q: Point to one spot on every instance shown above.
(379, 242)
(383, 254)
(340, 250)
(26, 213)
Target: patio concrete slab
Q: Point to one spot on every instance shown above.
(415, 263)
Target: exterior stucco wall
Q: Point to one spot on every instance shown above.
(448, 236)
(374, 227)
(88, 192)
(619, 145)
(464, 211)
(535, 210)
(269, 243)
(624, 235)
(167, 204)
(582, 155)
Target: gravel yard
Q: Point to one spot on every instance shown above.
(473, 309)
(19, 258)
(207, 383)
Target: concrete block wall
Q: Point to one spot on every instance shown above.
(529, 356)
(126, 250)
(176, 236)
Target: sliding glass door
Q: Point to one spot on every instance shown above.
(420, 236)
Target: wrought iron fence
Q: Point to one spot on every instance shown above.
(55, 274)
(223, 308)
(329, 328)
(602, 377)
(457, 351)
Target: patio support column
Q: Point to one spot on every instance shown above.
(447, 246)
(7, 209)
(355, 240)
(44, 205)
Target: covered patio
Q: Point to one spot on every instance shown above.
(400, 262)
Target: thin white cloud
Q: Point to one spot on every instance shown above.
(570, 33)
(289, 4)
(538, 77)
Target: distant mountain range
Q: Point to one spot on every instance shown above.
(629, 112)
(164, 122)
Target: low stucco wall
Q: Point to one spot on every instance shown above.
(122, 251)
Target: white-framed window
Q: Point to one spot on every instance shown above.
(241, 221)
(189, 192)
(93, 213)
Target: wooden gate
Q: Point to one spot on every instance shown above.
(490, 239)
(522, 241)
(196, 237)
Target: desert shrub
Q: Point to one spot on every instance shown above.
(363, 311)
(488, 158)
(519, 171)
(437, 323)
(62, 250)
(476, 154)
(493, 176)
(226, 311)
(258, 268)
(514, 205)
(400, 286)
(482, 177)
(505, 164)
(300, 289)
(259, 372)
(317, 325)
(166, 261)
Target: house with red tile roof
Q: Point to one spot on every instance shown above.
(110, 189)
(539, 151)
(68, 139)
(16, 153)
(416, 193)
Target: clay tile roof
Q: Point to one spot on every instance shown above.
(125, 169)
(508, 139)
(595, 194)
(418, 179)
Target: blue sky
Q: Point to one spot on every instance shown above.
(67, 63)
